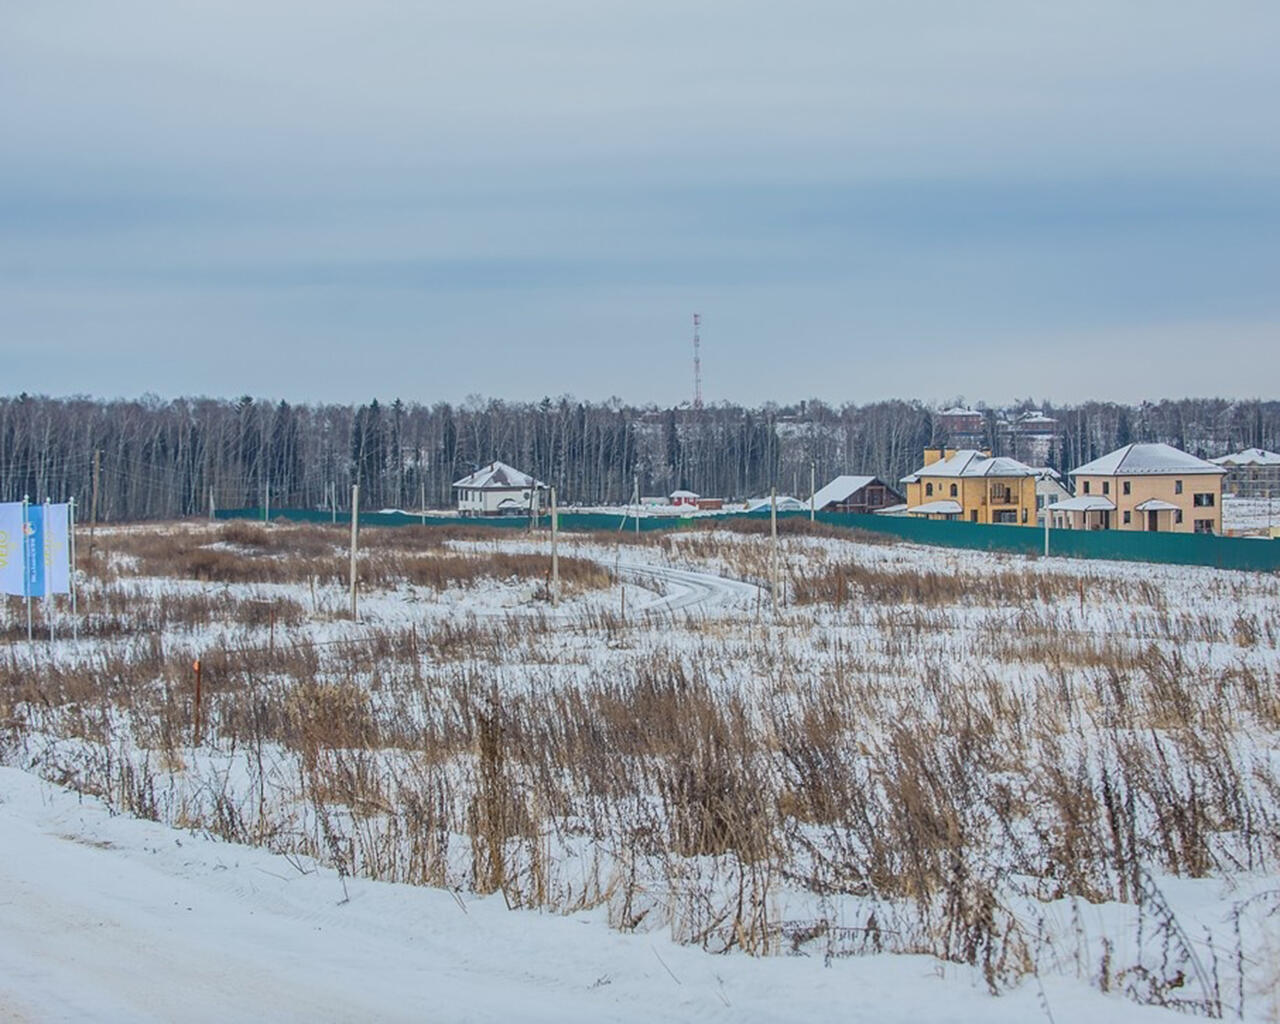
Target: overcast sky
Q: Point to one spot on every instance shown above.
(336, 201)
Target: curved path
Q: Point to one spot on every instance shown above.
(686, 589)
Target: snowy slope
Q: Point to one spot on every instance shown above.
(112, 918)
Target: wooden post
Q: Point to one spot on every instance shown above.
(355, 526)
(196, 722)
(93, 504)
(555, 554)
(1046, 528)
(422, 499)
(813, 474)
(773, 549)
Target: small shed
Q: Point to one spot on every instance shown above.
(684, 498)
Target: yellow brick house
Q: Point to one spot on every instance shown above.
(972, 486)
(1153, 487)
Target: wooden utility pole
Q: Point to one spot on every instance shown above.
(422, 499)
(555, 554)
(773, 549)
(813, 481)
(355, 526)
(93, 504)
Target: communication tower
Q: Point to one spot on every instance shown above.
(697, 363)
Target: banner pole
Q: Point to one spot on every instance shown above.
(26, 569)
(44, 553)
(71, 555)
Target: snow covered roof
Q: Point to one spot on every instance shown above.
(1248, 457)
(1146, 460)
(1155, 505)
(935, 508)
(1045, 473)
(498, 476)
(839, 489)
(959, 411)
(786, 503)
(1084, 503)
(967, 462)
(683, 494)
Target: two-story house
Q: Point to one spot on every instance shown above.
(972, 486)
(1151, 487)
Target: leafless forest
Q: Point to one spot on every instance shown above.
(160, 459)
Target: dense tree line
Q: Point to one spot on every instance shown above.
(172, 458)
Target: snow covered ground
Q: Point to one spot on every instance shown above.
(1062, 773)
(109, 918)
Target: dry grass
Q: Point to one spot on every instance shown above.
(923, 751)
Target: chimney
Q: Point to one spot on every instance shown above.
(932, 455)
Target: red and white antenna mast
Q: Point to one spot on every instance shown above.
(697, 363)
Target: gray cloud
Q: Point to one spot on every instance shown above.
(917, 199)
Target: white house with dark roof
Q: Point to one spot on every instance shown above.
(497, 490)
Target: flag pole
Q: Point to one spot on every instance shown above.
(26, 569)
(45, 554)
(71, 555)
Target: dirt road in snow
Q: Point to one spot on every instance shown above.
(686, 589)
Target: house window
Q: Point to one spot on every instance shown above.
(1106, 486)
(928, 490)
(1006, 515)
(1128, 516)
(1203, 500)
(1086, 487)
(1127, 487)
(954, 490)
(1177, 516)
(1204, 526)
(1177, 487)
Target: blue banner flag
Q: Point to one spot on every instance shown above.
(33, 552)
(11, 574)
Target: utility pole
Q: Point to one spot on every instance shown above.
(813, 481)
(636, 492)
(210, 504)
(93, 505)
(773, 550)
(555, 554)
(355, 527)
(422, 498)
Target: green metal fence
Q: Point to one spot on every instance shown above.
(1123, 545)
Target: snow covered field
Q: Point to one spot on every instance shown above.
(924, 777)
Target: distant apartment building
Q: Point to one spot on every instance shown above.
(1252, 473)
(963, 427)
